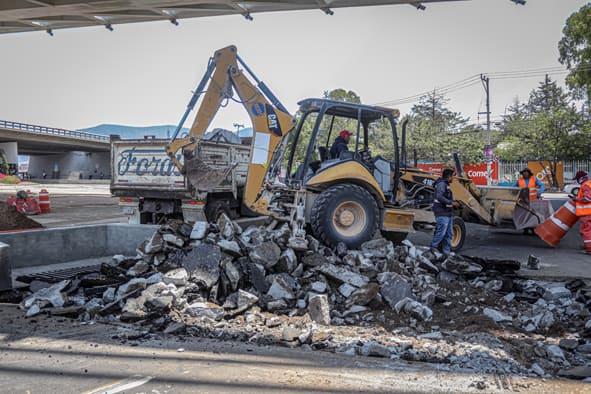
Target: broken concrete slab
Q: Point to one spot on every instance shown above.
(281, 288)
(394, 288)
(178, 277)
(497, 316)
(203, 264)
(343, 275)
(319, 309)
(267, 254)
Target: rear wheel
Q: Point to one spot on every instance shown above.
(345, 213)
(215, 208)
(459, 234)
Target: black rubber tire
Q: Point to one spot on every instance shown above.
(458, 224)
(394, 236)
(215, 208)
(321, 217)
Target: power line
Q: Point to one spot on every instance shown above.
(475, 79)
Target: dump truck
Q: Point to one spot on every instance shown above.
(150, 188)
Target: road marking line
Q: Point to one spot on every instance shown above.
(127, 384)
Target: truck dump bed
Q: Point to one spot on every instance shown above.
(141, 168)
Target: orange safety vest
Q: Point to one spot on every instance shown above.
(533, 190)
(583, 208)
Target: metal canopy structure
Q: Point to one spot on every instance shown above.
(47, 15)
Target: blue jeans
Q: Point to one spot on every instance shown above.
(443, 233)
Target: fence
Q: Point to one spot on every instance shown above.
(509, 170)
(29, 128)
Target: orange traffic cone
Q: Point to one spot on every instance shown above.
(557, 225)
(44, 203)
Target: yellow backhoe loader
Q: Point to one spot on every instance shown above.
(291, 176)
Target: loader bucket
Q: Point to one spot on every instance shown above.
(202, 176)
(532, 214)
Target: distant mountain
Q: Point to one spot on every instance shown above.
(131, 132)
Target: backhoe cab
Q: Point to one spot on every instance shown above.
(346, 198)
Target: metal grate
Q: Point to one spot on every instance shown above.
(59, 275)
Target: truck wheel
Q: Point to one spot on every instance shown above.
(459, 234)
(214, 209)
(394, 236)
(345, 213)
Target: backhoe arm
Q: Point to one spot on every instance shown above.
(270, 120)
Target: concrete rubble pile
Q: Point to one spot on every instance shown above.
(401, 302)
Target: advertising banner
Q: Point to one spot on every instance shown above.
(476, 171)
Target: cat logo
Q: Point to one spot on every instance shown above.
(273, 121)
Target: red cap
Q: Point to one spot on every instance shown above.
(579, 175)
(345, 133)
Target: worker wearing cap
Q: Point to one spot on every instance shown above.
(535, 186)
(583, 208)
(340, 144)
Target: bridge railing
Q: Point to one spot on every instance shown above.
(52, 131)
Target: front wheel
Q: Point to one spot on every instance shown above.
(459, 234)
(345, 213)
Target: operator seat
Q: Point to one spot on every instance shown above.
(323, 153)
(382, 172)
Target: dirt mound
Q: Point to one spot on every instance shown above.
(10, 219)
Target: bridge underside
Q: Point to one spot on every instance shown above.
(35, 144)
(31, 15)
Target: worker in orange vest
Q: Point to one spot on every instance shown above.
(583, 208)
(536, 187)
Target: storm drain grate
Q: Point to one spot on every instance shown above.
(59, 275)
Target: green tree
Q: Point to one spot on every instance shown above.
(546, 128)
(547, 96)
(436, 132)
(575, 52)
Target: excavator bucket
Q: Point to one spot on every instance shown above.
(202, 176)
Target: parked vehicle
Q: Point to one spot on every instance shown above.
(572, 188)
(150, 187)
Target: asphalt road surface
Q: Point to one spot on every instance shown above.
(58, 355)
(567, 260)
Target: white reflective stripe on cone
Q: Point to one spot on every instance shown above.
(570, 206)
(586, 240)
(583, 206)
(559, 223)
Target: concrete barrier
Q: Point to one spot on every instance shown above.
(5, 270)
(60, 245)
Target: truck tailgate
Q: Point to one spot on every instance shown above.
(144, 165)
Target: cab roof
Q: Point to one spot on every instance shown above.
(369, 113)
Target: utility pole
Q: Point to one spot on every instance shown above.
(546, 98)
(488, 149)
(238, 127)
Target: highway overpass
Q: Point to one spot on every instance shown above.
(48, 15)
(58, 153)
(42, 140)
